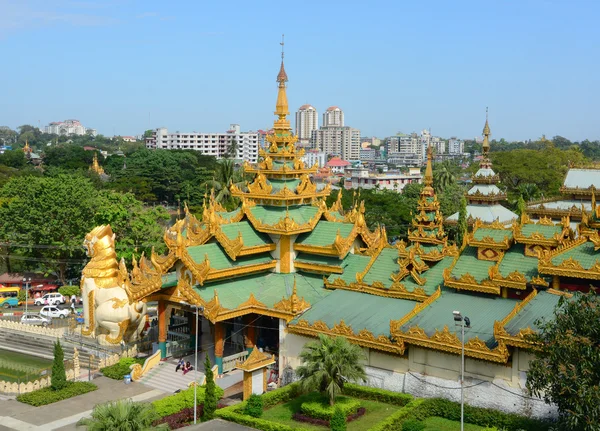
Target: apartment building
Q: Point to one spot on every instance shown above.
(338, 141)
(307, 120)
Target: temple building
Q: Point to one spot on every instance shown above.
(284, 267)
(483, 199)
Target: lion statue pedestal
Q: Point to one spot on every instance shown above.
(110, 314)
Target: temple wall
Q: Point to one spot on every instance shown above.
(429, 373)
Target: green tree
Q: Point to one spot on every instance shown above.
(462, 227)
(13, 159)
(58, 379)
(147, 134)
(566, 368)
(225, 176)
(254, 406)
(444, 175)
(528, 191)
(232, 149)
(7, 136)
(210, 396)
(521, 206)
(122, 415)
(328, 363)
(69, 157)
(338, 420)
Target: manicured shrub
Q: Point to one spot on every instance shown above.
(338, 420)
(181, 419)
(322, 422)
(413, 425)
(182, 400)
(280, 395)
(121, 368)
(68, 291)
(393, 422)
(58, 379)
(254, 406)
(321, 409)
(210, 398)
(45, 396)
(376, 394)
(476, 416)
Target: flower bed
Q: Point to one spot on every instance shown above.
(48, 395)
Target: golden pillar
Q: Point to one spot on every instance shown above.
(250, 335)
(285, 254)
(505, 292)
(162, 328)
(219, 345)
(555, 282)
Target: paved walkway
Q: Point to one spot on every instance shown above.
(64, 414)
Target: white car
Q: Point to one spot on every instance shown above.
(50, 299)
(51, 311)
(35, 319)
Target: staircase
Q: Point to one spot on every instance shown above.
(164, 378)
(42, 346)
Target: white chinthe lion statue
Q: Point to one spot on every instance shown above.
(109, 313)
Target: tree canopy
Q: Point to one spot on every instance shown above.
(566, 370)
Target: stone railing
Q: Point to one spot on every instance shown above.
(138, 371)
(229, 362)
(32, 329)
(114, 358)
(72, 372)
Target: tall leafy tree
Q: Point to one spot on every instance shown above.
(462, 226)
(124, 415)
(225, 176)
(566, 368)
(328, 363)
(444, 175)
(210, 396)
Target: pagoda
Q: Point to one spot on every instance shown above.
(483, 199)
(95, 166)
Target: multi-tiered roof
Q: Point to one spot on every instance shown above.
(284, 253)
(484, 197)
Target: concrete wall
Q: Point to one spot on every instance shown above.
(429, 373)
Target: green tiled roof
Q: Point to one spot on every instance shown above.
(279, 165)
(169, 280)
(383, 267)
(319, 260)
(468, 262)
(584, 254)
(351, 264)
(351, 307)
(542, 306)
(434, 277)
(337, 215)
(497, 235)
(270, 215)
(229, 215)
(250, 237)
(548, 231)
(278, 184)
(481, 310)
(428, 248)
(514, 259)
(267, 288)
(219, 259)
(324, 233)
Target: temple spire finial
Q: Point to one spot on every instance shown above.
(486, 135)
(428, 179)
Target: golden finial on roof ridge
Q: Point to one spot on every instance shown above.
(27, 148)
(96, 166)
(428, 180)
(486, 134)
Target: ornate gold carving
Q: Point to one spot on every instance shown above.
(122, 328)
(118, 303)
(293, 304)
(395, 325)
(255, 361)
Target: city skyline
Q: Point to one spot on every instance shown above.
(127, 67)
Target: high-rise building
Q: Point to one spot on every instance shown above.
(211, 144)
(333, 117)
(68, 127)
(307, 120)
(456, 146)
(338, 141)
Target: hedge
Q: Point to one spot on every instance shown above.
(121, 368)
(375, 394)
(477, 415)
(182, 400)
(235, 413)
(394, 421)
(320, 408)
(44, 396)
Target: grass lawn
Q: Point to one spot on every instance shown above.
(376, 412)
(440, 424)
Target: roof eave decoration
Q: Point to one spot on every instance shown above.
(521, 339)
(363, 338)
(255, 361)
(396, 290)
(468, 282)
(569, 267)
(144, 279)
(285, 225)
(215, 312)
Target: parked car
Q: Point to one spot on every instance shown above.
(35, 319)
(52, 311)
(50, 299)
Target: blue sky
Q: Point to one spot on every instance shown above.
(126, 66)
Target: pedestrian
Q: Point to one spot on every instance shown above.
(187, 367)
(180, 364)
(73, 307)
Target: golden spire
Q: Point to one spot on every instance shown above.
(26, 148)
(428, 180)
(486, 135)
(281, 109)
(96, 166)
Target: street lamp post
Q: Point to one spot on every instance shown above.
(462, 321)
(26, 284)
(196, 364)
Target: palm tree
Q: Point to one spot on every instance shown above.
(328, 363)
(122, 415)
(225, 176)
(528, 191)
(443, 175)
